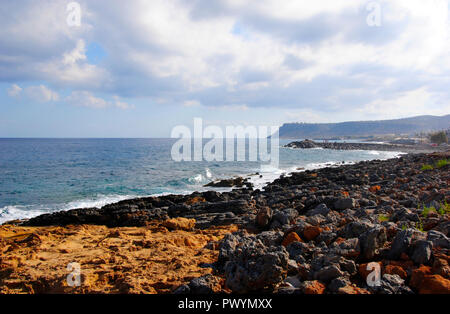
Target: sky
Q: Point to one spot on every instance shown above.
(113, 68)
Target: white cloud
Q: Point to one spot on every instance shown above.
(267, 53)
(41, 93)
(78, 53)
(14, 90)
(409, 103)
(121, 104)
(87, 99)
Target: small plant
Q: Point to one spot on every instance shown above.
(444, 208)
(441, 163)
(426, 167)
(404, 227)
(382, 218)
(419, 226)
(427, 210)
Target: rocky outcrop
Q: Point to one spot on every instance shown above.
(307, 144)
(230, 183)
(330, 230)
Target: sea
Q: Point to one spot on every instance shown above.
(46, 175)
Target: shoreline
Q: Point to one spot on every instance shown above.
(313, 231)
(252, 178)
(409, 149)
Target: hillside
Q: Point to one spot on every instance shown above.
(365, 128)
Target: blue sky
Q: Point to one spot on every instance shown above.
(139, 68)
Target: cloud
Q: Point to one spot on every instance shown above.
(41, 93)
(191, 103)
(14, 90)
(87, 99)
(318, 58)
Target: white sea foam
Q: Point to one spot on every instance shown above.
(196, 179)
(13, 212)
(8, 213)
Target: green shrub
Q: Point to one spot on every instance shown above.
(382, 218)
(443, 162)
(426, 210)
(427, 167)
(444, 208)
(419, 226)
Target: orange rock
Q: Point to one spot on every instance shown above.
(311, 232)
(314, 287)
(441, 266)
(418, 275)
(291, 237)
(363, 272)
(195, 200)
(435, 284)
(395, 270)
(179, 223)
(352, 290)
(375, 188)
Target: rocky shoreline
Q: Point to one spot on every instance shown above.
(417, 148)
(311, 232)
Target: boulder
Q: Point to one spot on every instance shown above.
(179, 223)
(439, 239)
(422, 252)
(205, 285)
(402, 242)
(328, 273)
(345, 203)
(392, 284)
(371, 241)
(320, 209)
(263, 217)
(435, 284)
(253, 267)
(313, 287)
(311, 232)
(418, 275)
(291, 237)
